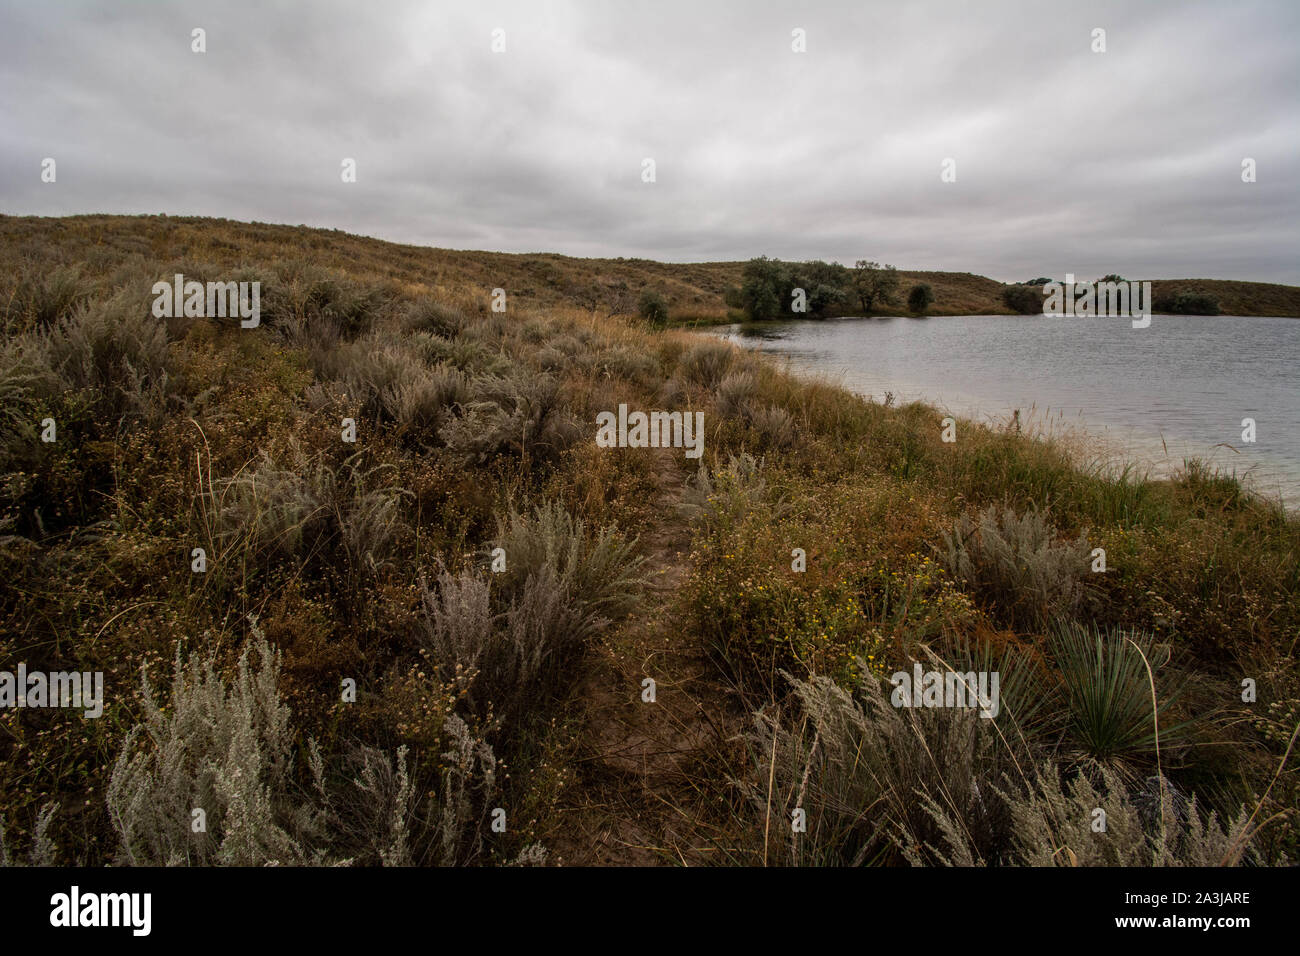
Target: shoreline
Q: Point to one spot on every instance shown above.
(1107, 448)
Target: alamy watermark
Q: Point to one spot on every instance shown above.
(76, 689)
(947, 689)
(130, 910)
(216, 300)
(651, 430)
(1105, 299)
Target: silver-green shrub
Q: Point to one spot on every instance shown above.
(1018, 563)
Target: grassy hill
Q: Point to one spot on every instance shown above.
(694, 291)
(363, 583)
(1237, 298)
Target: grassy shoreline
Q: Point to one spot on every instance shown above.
(329, 561)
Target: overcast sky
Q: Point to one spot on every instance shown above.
(1066, 160)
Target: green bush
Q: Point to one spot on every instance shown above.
(1185, 302)
(1023, 299)
(874, 283)
(652, 307)
(1108, 691)
(920, 298)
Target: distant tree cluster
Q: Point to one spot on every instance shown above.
(1185, 302)
(1025, 299)
(771, 288)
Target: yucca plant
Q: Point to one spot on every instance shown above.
(1031, 714)
(1116, 691)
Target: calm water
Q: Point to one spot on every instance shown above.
(1152, 396)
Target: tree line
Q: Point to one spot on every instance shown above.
(771, 289)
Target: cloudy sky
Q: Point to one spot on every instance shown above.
(1066, 160)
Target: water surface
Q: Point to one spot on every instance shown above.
(1179, 388)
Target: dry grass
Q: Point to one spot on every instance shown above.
(475, 429)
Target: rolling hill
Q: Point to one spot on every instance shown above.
(694, 291)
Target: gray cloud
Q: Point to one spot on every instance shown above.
(1067, 160)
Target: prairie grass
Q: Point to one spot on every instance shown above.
(829, 540)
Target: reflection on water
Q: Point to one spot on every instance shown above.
(1177, 389)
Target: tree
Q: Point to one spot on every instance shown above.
(824, 283)
(920, 298)
(653, 308)
(763, 282)
(769, 288)
(874, 283)
(1024, 299)
(758, 299)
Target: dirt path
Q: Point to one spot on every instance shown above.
(640, 797)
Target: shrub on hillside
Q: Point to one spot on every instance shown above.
(599, 570)
(735, 393)
(519, 414)
(42, 851)
(393, 384)
(310, 306)
(561, 586)
(736, 488)
(436, 318)
(224, 749)
(775, 426)
(706, 363)
(116, 352)
(24, 377)
(920, 298)
(44, 296)
(863, 771)
(652, 307)
(303, 510)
